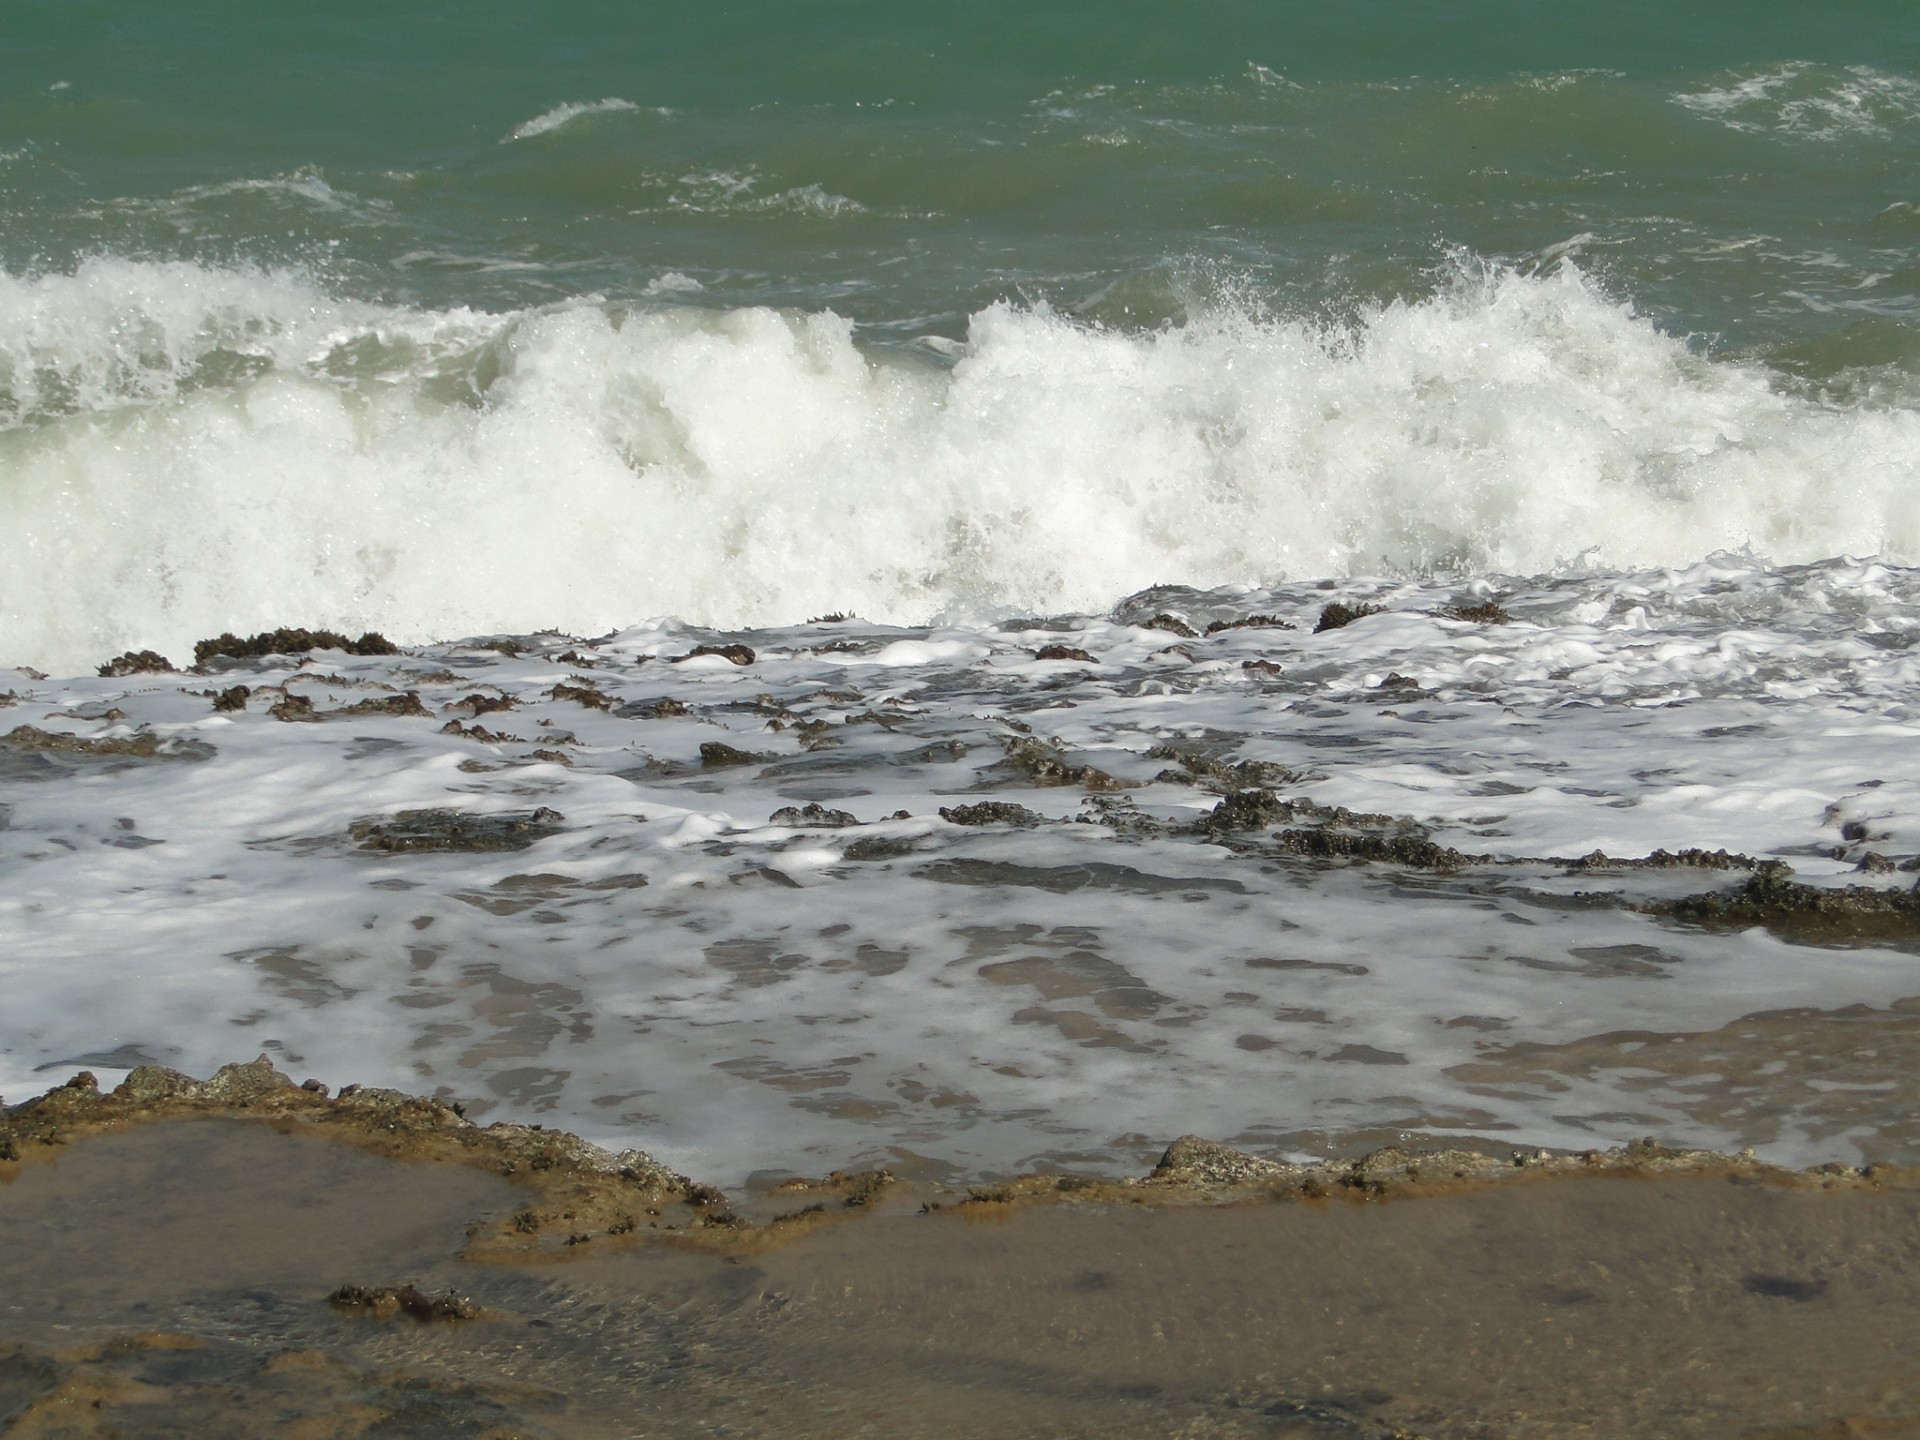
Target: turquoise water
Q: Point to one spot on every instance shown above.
(206, 203)
(1746, 175)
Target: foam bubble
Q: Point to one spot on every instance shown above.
(192, 450)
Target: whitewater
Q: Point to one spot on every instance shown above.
(190, 449)
(791, 742)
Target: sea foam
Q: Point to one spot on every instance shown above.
(560, 115)
(188, 450)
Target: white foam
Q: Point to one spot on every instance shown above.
(823, 993)
(560, 115)
(193, 450)
(1812, 102)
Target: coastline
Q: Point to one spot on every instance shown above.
(192, 1234)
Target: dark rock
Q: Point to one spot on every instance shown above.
(143, 745)
(1173, 625)
(388, 1301)
(813, 815)
(136, 662)
(292, 708)
(480, 733)
(1251, 622)
(1064, 652)
(422, 831)
(1414, 850)
(232, 699)
(877, 847)
(1689, 859)
(714, 755)
(407, 705)
(738, 654)
(989, 812)
(583, 693)
(477, 704)
(1336, 616)
(663, 709)
(1484, 613)
(1770, 898)
(1222, 776)
(1044, 765)
(1248, 810)
(290, 642)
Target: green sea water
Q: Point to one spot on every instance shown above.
(1746, 175)
(745, 312)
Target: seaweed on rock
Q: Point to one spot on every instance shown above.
(286, 641)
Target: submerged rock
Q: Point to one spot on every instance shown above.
(386, 1301)
(455, 830)
(141, 745)
(714, 755)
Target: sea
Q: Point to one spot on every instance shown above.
(971, 587)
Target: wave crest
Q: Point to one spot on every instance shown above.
(434, 474)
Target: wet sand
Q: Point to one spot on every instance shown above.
(168, 1272)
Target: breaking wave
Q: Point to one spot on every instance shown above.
(187, 450)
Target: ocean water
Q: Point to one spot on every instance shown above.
(991, 328)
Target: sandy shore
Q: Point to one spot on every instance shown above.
(246, 1257)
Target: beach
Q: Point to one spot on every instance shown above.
(888, 617)
(218, 1257)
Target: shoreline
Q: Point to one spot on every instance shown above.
(582, 1192)
(205, 1254)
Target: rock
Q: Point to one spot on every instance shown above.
(989, 812)
(714, 755)
(738, 654)
(136, 662)
(239, 1083)
(1191, 1160)
(387, 1301)
(1336, 616)
(813, 815)
(1248, 810)
(1414, 850)
(1484, 613)
(1064, 652)
(149, 1083)
(583, 693)
(455, 831)
(1173, 625)
(1251, 622)
(407, 705)
(289, 642)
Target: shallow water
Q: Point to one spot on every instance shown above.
(977, 323)
(1610, 1307)
(778, 953)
